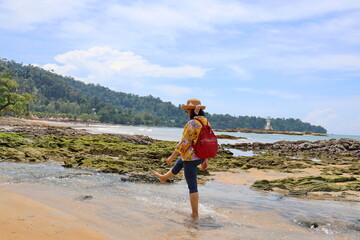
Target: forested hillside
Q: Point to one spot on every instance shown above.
(59, 96)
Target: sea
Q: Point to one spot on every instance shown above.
(125, 210)
(174, 134)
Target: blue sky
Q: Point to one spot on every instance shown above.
(279, 58)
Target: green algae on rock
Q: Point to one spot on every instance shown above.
(226, 136)
(304, 185)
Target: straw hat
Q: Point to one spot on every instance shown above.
(193, 103)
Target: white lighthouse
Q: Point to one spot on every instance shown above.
(268, 125)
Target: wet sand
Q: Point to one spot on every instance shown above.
(24, 218)
(248, 177)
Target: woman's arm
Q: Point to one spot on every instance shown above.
(191, 131)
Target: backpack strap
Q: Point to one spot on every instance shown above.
(201, 122)
(202, 125)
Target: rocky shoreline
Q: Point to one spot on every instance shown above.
(335, 146)
(266, 131)
(135, 156)
(338, 161)
(226, 136)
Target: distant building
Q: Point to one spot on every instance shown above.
(268, 124)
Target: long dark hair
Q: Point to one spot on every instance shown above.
(193, 114)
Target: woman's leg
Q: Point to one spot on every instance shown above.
(194, 201)
(172, 172)
(190, 169)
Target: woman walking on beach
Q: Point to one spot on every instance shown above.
(188, 160)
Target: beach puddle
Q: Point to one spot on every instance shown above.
(305, 158)
(238, 153)
(316, 160)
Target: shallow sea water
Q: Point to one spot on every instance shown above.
(123, 210)
(174, 134)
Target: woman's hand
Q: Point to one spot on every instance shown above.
(204, 165)
(169, 160)
(172, 157)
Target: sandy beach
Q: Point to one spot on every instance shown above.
(22, 218)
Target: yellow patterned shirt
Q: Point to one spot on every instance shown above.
(190, 134)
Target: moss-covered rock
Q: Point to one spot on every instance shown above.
(303, 185)
(226, 136)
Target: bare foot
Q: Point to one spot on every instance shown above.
(159, 176)
(194, 216)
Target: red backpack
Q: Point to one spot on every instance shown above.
(206, 145)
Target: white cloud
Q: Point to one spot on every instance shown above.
(346, 62)
(100, 64)
(24, 15)
(320, 117)
(319, 44)
(189, 14)
(345, 27)
(338, 115)
(270, 92)
(166, 14)
(282, 10)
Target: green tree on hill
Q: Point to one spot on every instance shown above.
(10, 100)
